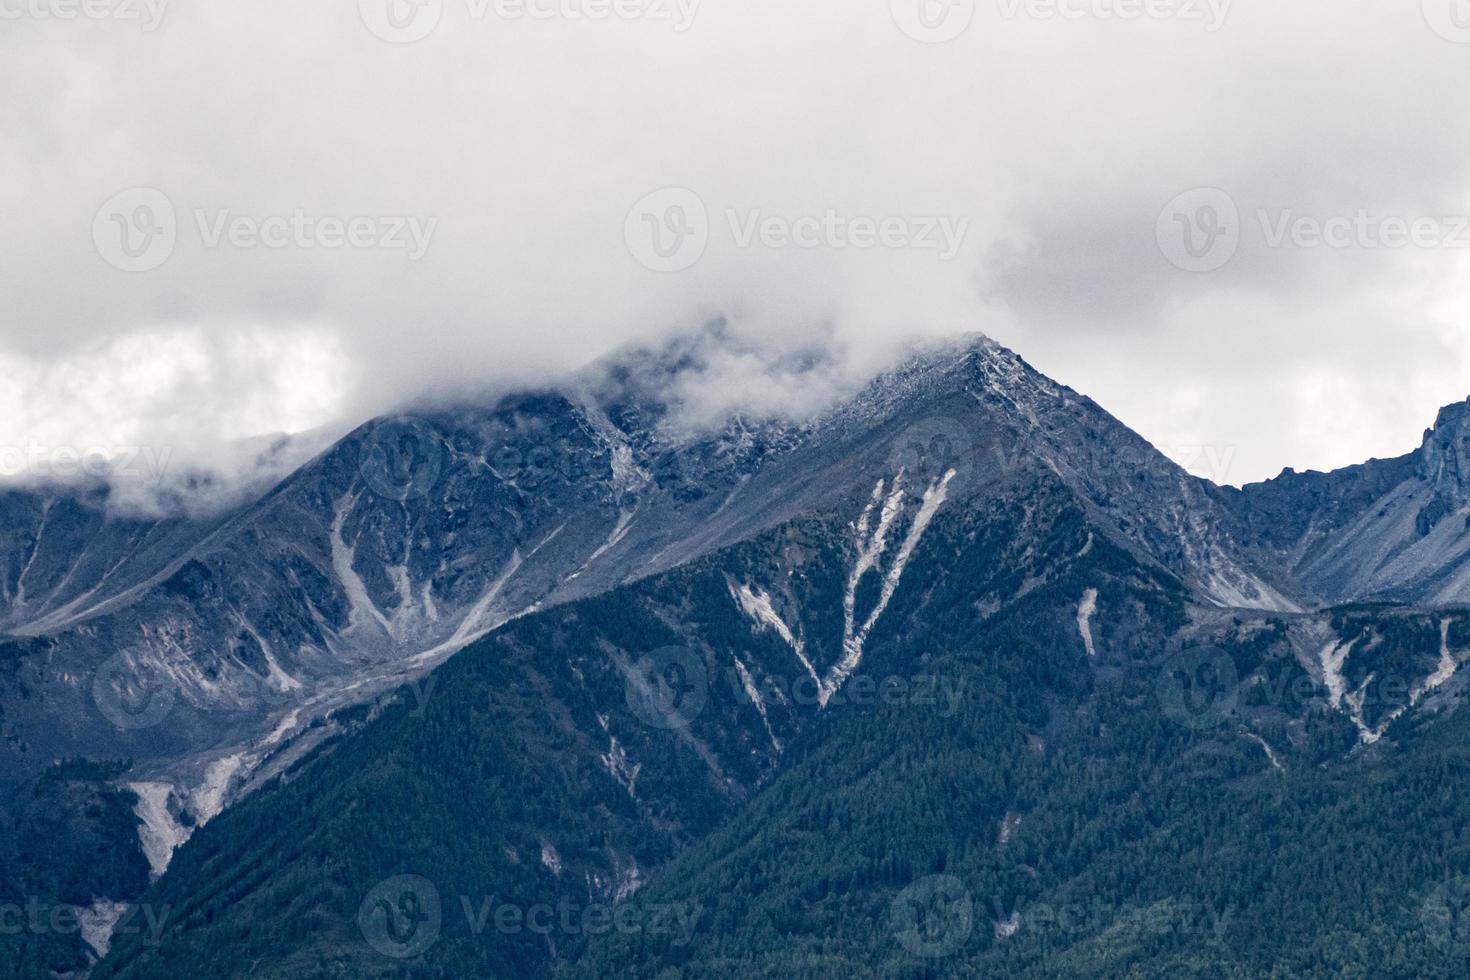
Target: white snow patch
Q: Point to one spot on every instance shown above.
(1332, 658)
(160, 833)
(360, 605)
(20, 584)
(620, 531)
(477, 622)
(1355, 703)
(98, 921)
(281, 730)
(624, 774)
(626, 476)
(1448, 666)
(1232, 588)
(1085, 610)
(209, 798)
(757, 605)
(275, 676)
(760, 705)
(870, 551)
(550, 858)
(627, 881)
(1270, 752)
(403, 585)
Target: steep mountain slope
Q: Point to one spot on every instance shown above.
(575, 750)
(214, 643)
(196, 648)
(596, 557)
(964, 597)
(1395, 530)
(208, 654)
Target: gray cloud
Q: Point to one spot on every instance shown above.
(523, 143)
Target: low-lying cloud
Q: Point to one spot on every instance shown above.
(228, 221)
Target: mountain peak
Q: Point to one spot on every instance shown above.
(1452, 416)
(1445, 456)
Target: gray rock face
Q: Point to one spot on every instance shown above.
(1388, 530)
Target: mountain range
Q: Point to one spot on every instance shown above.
(959, 677)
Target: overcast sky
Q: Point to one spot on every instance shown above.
(235, 218)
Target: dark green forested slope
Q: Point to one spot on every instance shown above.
(1138, 847)
(73, 836)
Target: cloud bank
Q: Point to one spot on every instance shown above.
(231, 220)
